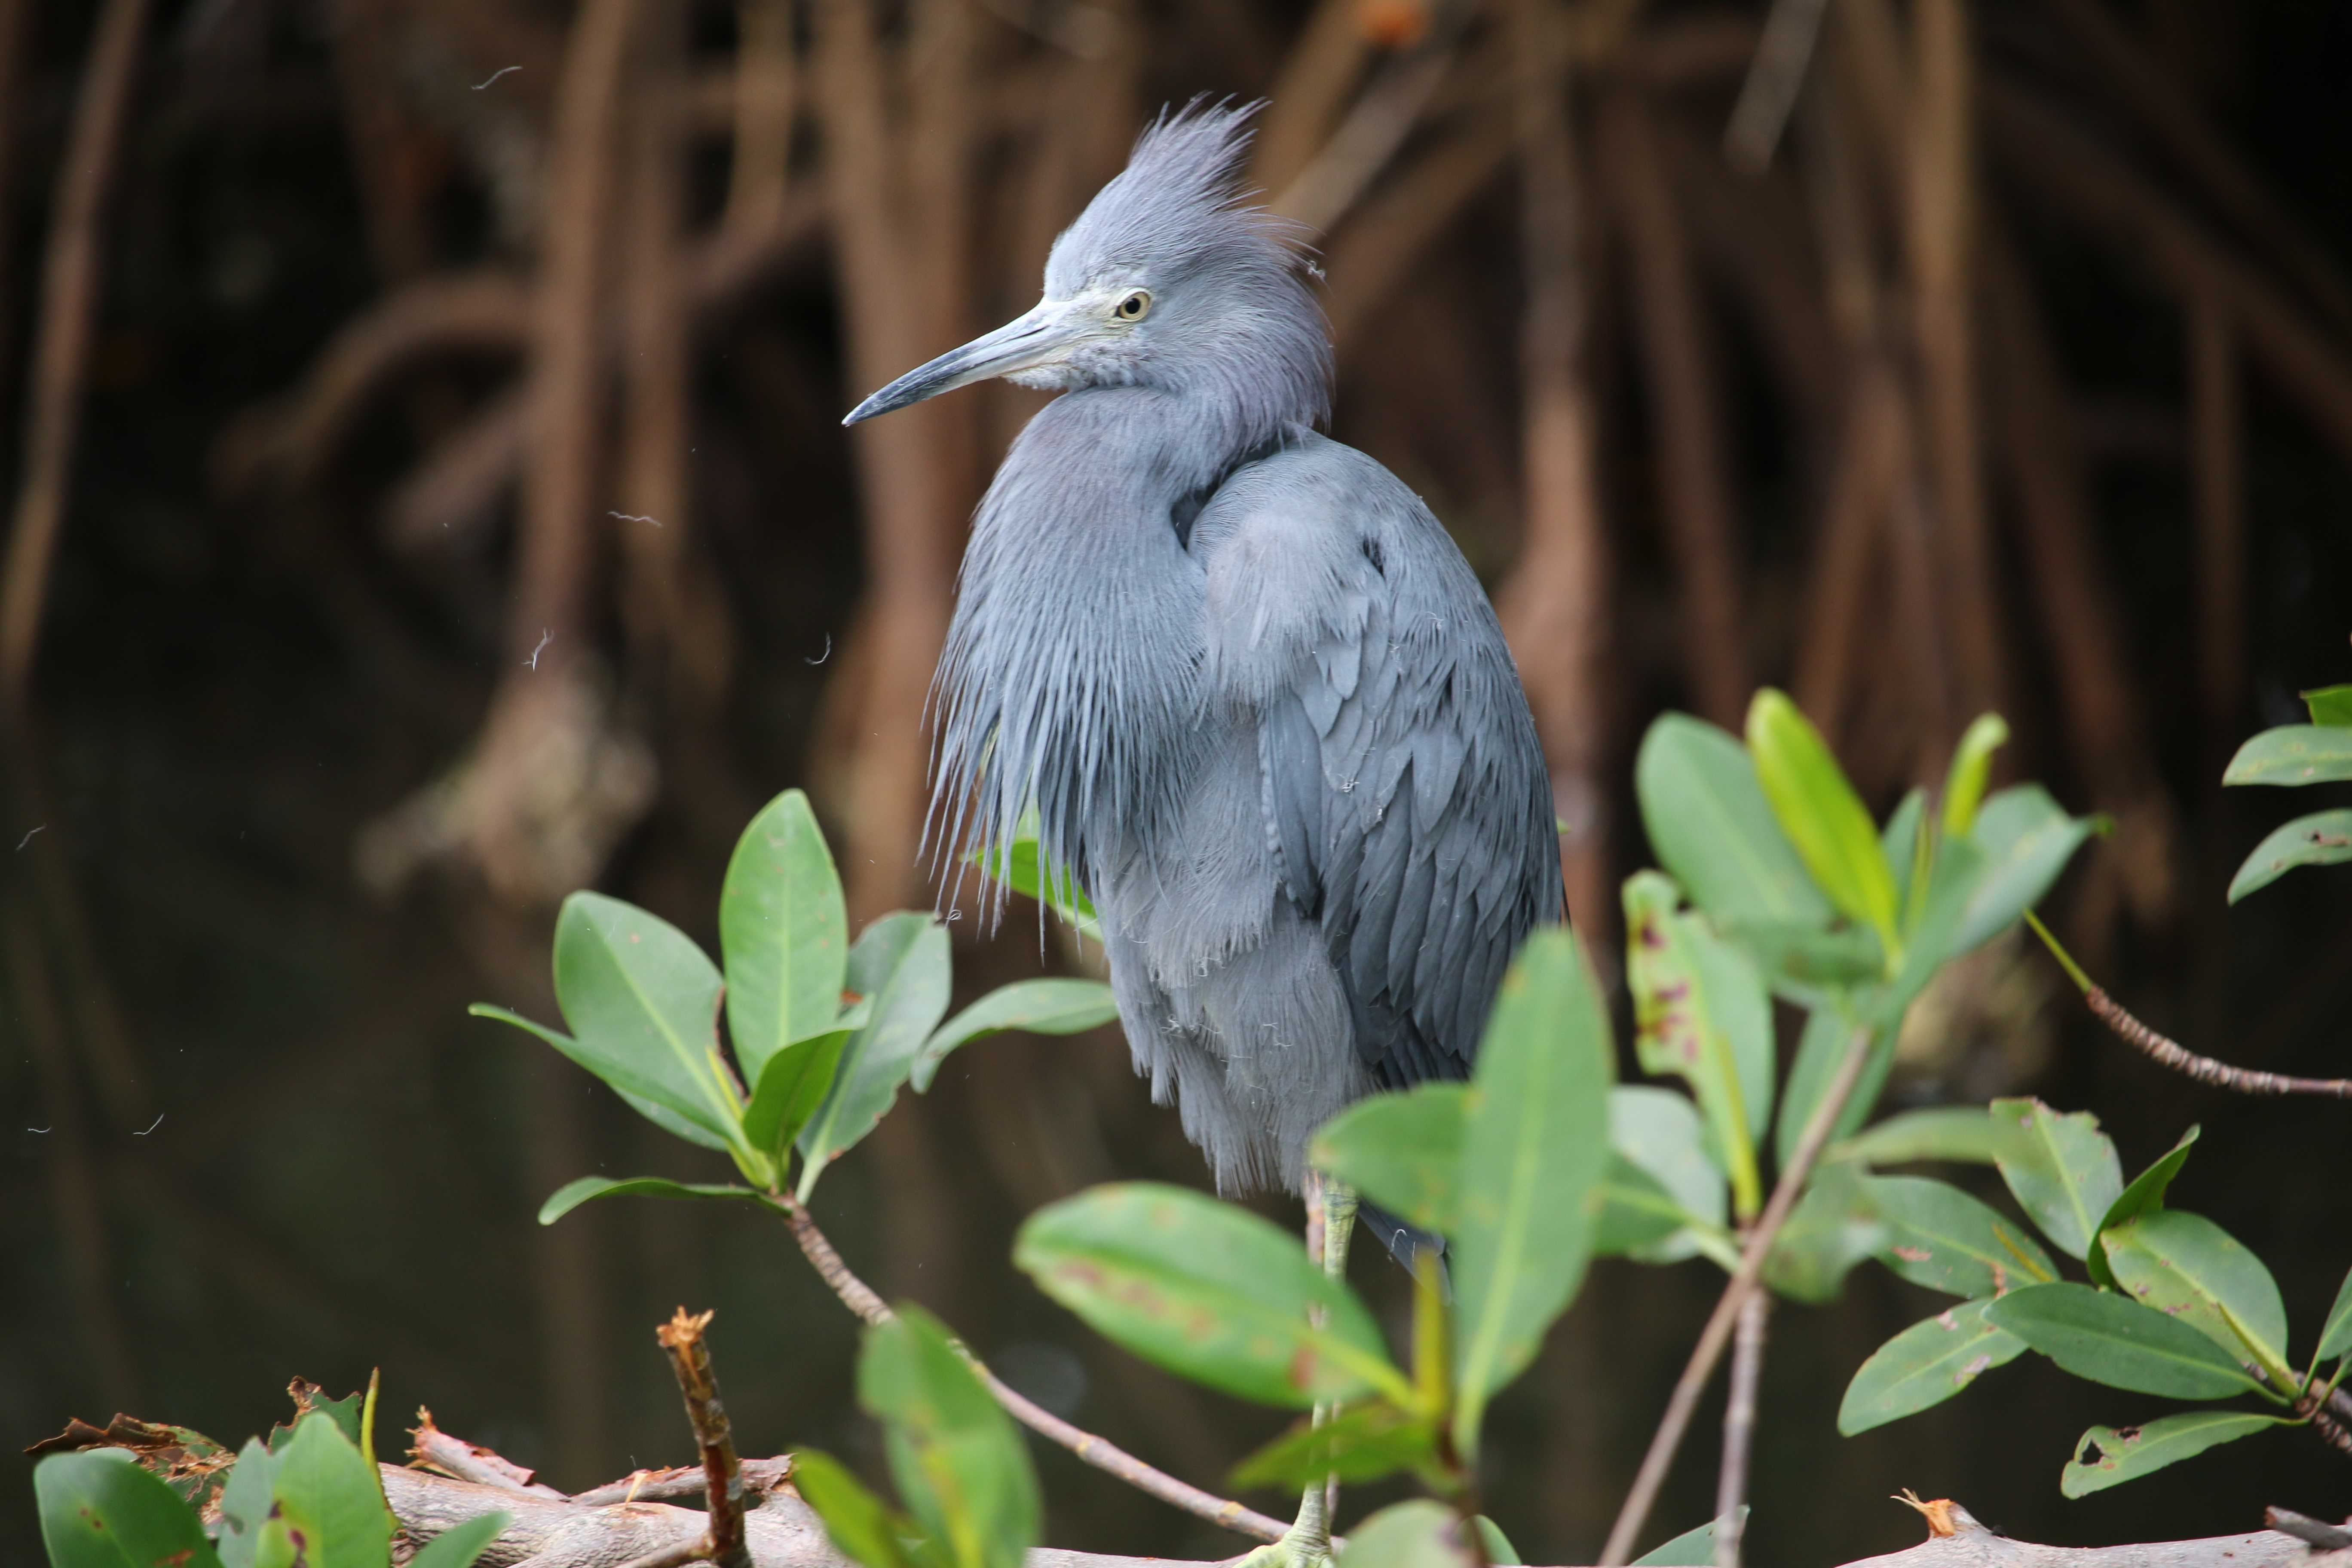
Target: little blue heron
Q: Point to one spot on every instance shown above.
(1253, 693)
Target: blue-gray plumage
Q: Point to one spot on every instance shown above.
(1255, 695)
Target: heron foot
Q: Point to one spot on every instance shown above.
(1307, 1544)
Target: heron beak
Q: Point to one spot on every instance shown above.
(1040, 337)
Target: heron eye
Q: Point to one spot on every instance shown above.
(1136, 306)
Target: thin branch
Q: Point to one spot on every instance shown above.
(467, 1461)
(759, 1476)
(723, 1541)
(2205, 1069)
(1103, 1455)
(2171, 1053)
(1717, 1332)
(69, 300)
(2303, 1527)
(1740, 1429)
(2331, 1431)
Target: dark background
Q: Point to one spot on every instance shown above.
(380, 348)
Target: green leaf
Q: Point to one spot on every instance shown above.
(1207, 1290)
(1700, 1013)
(1691, 1549)
(865, 1528)
(246, 1500)
(1800, 960)
(1663, 1197)
(1363, 1443)
(2026, 839)
(1711, 827)
(2323, 839)
(1938, 1236)
(1834, 1227)
(1829, 1030)
(1965, 1135)
(1899, 841)
(1964, 783)
(1924, 1365)
(329, 1497)
(1821, 814)
(1660, 1131)
(99, 1510)
(643, 1004)
(959, 1463)
(2144, 1196)
(900, 966)
(2335, 1334)
(1416, 1534)
(572, 1193)
(310, 1399)
(790, 1089)
(2127, 1453)
(1637, 1213)
(1037, 1007)
(1499, 1550)
(784, 933)
(457, 1546)
(653, 1111)
(1022, 871)
(2190, 1268)
(1933, 939)
(2330, 705)
(2293, 755)
(2061, 1170)
(1402, 1151)
(2111, 1338)
(1533, 1150)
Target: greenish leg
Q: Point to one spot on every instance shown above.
(1307, 1543)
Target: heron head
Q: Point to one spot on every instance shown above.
(1165, 281)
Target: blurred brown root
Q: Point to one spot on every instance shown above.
(478, 313)
(1555, 607)
(72, 275)
(1678, 362)
(933, 150)
(2104, 725)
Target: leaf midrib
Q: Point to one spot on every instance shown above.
(702, 1074)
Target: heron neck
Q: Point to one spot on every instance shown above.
(1072, 665)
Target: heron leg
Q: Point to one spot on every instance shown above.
(1331, 1222)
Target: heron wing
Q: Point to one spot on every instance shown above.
(1403, 796)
